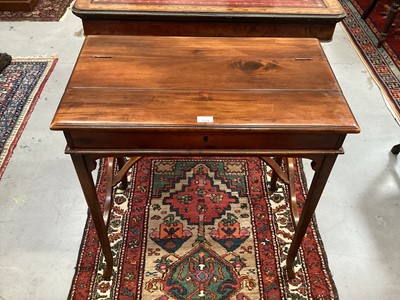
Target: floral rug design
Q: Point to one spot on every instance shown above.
(201, 228)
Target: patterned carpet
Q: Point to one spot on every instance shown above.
(377, 19)
(383, 63)
(20, 86)
(45, 10)
(201, 228)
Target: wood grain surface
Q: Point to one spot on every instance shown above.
(167, 82)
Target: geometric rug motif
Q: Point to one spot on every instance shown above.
(202, 228)
(45, 10)
(21, 84)
(383, 63)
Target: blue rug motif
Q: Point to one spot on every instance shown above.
(20, 86)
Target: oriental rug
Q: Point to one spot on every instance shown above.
(383, 63)
(21, 83)
(45, 10)
(202, 228)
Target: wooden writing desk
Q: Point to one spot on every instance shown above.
(269, 18)
(135, 96)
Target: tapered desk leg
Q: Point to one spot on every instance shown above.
(85, 178)
(322, 167)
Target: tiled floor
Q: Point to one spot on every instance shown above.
(42, 211)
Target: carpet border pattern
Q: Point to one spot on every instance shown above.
(30, 101)
(382, 63)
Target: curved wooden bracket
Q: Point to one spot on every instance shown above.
(277, 170)
(292, 191)
(123, 168)
(288, 177)
(316, 161)
(114, 179)
(90, 161)
(108, 200)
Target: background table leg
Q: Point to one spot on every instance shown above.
(89, 190)
(274, 176)
(322, 166)
(124, 180)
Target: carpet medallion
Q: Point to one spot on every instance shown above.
(20, 86)
(383, 63)
(201, 228)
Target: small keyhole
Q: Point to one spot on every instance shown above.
(205, 138)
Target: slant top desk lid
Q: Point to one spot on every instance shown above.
(267, 84)
(292, 9)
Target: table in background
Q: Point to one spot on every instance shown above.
(18, 5)
(268, 18)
